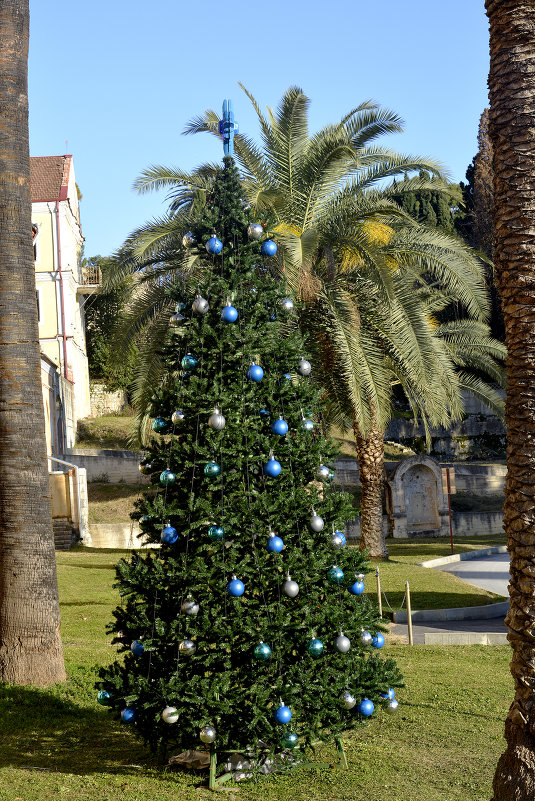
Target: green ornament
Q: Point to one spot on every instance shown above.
(335, 575)
(315, 647)
(144, 521)
(167, 477)
(262, 652)
(160, 425)
(212, 469)
(216, 533)
(289, 739)
(104, 698)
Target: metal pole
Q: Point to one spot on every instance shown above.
(449, 505)
(379, 601)
(409, 613)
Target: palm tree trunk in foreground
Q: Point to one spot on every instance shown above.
(30, 644)
(512, 115)
(370, 454)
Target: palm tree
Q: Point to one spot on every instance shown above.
(512, 107)
(356, 262)
(30, 644)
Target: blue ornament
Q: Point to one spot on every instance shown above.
(104, 698)
(216, 533)
(189, 362)
(279, 427)
(169, 535)
(272, 468)
(167, 477)
(378, 640)
(315, 647)
(307, 424)
(228, 127)
(335, 575)
(391, 694)
(160, 425)
(357, 588)
(128, 714)
(366, 707)
(283, 714)
(235, 587)
(137, 648)
(262, 652)
(274, 544)
(212, 469)
(264, 412)
(214, 245)
(255, 372)
(269, 248)
(286, 376)
(229, 314)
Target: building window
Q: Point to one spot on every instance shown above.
(38, 299)
(35, 240)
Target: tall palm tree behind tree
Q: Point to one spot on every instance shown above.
(30, 644)
(512, 110)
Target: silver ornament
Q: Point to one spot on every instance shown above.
(170, 714)
(255, 231)
(187, 647)
(188, 240)
(145, 468)
(290, 588)
(347, 700)
(200, 305)
(337, 541)
(392, 707)
(177, 416)
(316, 522)
(189, 606)
(287, 305)
(216, 420)
(304, 367)
(365, 637)
(207, 734)
(323, 472)
(176, 319)
(343, 643)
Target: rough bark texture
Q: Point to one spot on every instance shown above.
(512, 130)
(30, 644)
(370, 453)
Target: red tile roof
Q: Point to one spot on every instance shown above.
(49, 177)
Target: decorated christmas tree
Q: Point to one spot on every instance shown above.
(248, 628)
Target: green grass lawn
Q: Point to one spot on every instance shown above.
(108, 432)
(441, 746)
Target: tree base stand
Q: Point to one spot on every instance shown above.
(215, 782)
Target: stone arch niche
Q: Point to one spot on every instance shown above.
(417, 503)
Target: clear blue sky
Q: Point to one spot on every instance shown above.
(118, 81)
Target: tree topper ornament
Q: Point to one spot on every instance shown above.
(227, 128)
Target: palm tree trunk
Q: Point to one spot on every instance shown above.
(512, 96)
(370, 454)
(30, 644)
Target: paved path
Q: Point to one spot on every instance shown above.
(490, 573)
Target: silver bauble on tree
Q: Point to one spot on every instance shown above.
(200, 305)
(255, 231)
(304, 367)
(323, 472)
(287, 305)
(170, 714)
(347, 700)
(316, 522)
(337, 541)
(392, 707)
(187, 647)
(290, 587)
(188, 240)
(176, 319)
(189, 606)
(365, 637)
(342, 643)
(207, 734)
(216, 420)
(177, 417)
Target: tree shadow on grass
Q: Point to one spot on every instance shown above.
(40, 730)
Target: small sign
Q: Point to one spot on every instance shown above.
(451, 471)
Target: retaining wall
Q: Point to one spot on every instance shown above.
(107, 465)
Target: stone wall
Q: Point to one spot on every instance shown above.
(105, 402)
(478, 436)
(106, 465)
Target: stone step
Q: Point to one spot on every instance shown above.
(64, 535)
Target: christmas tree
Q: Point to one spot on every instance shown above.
(249, 627)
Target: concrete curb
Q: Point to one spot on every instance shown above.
(459, 613)
(464, 638)
(462, 557)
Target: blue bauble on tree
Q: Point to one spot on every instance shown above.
(229, 314)
(212, 469)
(335, 575)
(262, 652)
(128, 714)
(216, 533)
(264, 413)
(169, 535)
(366, 707)
(235, 587)
(160, 425)
(269, 248)
(167, 477)
(214, 245)
(274, 543)
(279, 427)
(189, 362)
(283, 714)
(137, 648)
(272, 468)
(358, 587)
(315, 647)
(378, 640)
(390, 694)
(255, 372)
